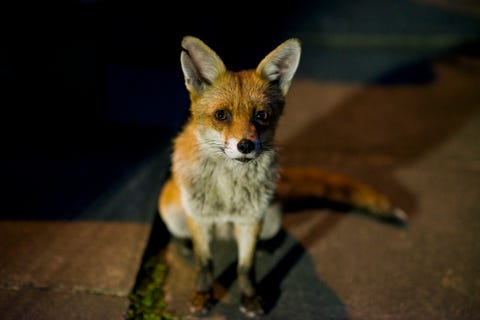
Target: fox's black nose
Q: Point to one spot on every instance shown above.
(245, 146)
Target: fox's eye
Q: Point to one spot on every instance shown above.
(261, 117)
(221, 115)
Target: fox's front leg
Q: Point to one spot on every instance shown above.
(246, 236)
(202, 296)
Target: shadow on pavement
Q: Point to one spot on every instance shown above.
(287, 280)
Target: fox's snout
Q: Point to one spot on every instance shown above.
(243, 149)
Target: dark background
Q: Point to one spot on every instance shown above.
(91, 91)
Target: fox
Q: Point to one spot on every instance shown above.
(225, 178)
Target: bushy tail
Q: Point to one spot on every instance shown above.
(302, 184)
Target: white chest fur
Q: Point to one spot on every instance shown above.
(222, 189)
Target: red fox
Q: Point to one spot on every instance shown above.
(225, 175)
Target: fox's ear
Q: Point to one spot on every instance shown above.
(200, 64)
(281, 64)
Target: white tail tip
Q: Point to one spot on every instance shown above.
(400, 214)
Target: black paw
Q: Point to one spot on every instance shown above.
(251, 307)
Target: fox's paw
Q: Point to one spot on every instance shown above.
(251, 307)
(201, 303)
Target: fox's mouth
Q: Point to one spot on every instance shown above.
(244, 159)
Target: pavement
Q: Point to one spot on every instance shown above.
(417, 144)
(78, 223)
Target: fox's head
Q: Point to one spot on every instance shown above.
(236, 113)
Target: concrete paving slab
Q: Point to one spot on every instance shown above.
(418, 144)
(35, 304)
(94, 256)
(48, 261)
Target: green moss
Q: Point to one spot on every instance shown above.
(147, 300)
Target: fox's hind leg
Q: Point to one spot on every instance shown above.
(272, 222)
(172, 212)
